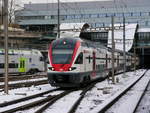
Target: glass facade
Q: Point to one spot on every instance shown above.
(97, 14)
(142, 39)
(92, 17)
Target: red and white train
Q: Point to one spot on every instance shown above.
(73, 61)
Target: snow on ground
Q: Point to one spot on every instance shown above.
(128, 102)
(144, 106)
(23, 92)
(103, 92)
(23, 81)
(64, 104)
(94, 100)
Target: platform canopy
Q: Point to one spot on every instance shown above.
(130, 30)
(72, 29)
(143, 30)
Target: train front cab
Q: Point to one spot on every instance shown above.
(66, 63)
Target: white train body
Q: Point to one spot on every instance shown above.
(22, 61)
(73, 61)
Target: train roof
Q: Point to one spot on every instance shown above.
(19, 51)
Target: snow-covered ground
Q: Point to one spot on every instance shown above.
(144, 106)
(103, 93)
(24, 81)
(23, 92)
(94, 100)
(128, 102)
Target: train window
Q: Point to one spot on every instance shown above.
(2, 52)
(89, 59)
(62, 51)
(109, 60)
(61, 56)
(79, 59)
(11, 65)
(83, 44)
(41, 59)
(22, 64)
(1, 65)
(30, 60)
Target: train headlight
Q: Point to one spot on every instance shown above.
(52, 69)
(70, 69)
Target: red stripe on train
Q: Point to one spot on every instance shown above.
(64, 67)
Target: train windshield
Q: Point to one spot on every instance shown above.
(62, 51)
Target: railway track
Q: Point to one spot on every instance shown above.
(115, 105)
(44, 101)
(144, 101)
(75, 105)
(82, 94)
(22, 77)
(25, 84)
(16, 105)
(24, 81)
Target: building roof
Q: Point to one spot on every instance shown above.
(88, 5)
(143, 30)
(118, 37)
(67, 29)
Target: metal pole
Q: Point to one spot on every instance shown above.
(113, 49)
(143, 62)
(58, 24)
(124, 48)
(6, 44)
(134, 55)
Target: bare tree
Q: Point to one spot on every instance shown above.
(13, 6)
(1, 15)
(11, 11)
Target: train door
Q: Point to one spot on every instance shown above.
(22, 65)
(94, 64)
(106, 62)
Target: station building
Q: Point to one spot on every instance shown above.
(43, 18)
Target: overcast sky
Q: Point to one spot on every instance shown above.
(53, 1)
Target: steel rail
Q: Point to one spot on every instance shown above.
(24, 77)
(141, 97)
(32, 104)
(104, 109)
(43, 108)
(78, 101)
(25, 84)
(27, 98)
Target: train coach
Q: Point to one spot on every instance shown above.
(74, 61)
(22, 61)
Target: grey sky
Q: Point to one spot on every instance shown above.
(53, 1)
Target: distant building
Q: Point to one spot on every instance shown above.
(18, 38)
(43, 17)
